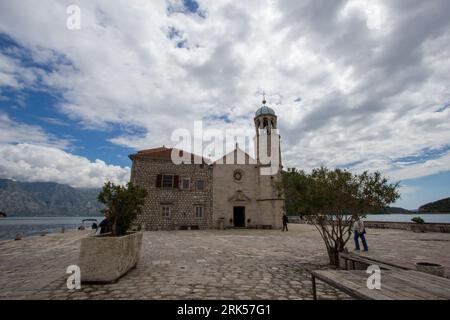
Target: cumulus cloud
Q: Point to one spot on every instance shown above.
(27, 162)
(28, 153)
(352, 85)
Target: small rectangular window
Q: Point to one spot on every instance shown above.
(167, 181)
(165, 212)
(199, 212)
(200, 185)
(186, 185)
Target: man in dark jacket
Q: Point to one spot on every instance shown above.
(106, 225)
(285, 222)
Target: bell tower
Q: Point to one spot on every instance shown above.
(267, 136)
(269, 200)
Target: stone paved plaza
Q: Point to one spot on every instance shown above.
(214, 264)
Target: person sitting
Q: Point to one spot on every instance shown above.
(106, 225)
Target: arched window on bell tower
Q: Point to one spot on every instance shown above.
(266, 126)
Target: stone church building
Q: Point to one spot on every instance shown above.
(222, 194)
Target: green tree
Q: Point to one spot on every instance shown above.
(124, 202)
(332, 200)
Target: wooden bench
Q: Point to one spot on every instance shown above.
(367, 261)
(395, 284)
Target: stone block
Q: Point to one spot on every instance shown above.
(105, 259)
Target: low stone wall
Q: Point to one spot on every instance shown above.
(411, 226)
(426, 227)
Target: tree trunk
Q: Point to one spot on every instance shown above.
(333, 254)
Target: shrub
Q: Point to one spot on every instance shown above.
(124, 202)
(418, 220)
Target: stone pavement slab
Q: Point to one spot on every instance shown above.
(197, 264)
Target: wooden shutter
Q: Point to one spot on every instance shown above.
(158, 180)
(176, 181)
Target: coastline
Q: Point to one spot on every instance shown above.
(35, 226)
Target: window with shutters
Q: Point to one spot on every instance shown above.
(168, 181)
(186, 184)
(158, 181)
(200, 185)
(165, 211)
(199, 212)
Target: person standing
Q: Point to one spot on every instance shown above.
(285, 222)
(359, 231)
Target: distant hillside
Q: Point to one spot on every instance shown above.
(442, 205)
(397, 210)
(47, 199)
(392, 210)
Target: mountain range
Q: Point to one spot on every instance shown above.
(47, 199)
(394, 210)
(54, 199)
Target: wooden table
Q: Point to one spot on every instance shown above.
(367, 260)
(395, 284)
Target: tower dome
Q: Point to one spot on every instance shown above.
(264, 110)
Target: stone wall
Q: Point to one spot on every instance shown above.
(228, 193)
(271, 206)
(411, 226)
(426, 227)
(271, 212)
(182, 203)
(221, 193)
(257, 193)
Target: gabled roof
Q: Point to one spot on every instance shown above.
(165, 154)
(248, 158)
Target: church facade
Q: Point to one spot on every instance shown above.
(235, 191)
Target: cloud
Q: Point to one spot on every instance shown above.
(13, 75)
(370, 78)
(41, 163)
(12, 132)
(55, 121)
(426, 168)
(28, 153)
(407, 189)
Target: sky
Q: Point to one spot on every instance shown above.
(361, 85)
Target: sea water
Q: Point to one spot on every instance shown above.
(28, 226)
